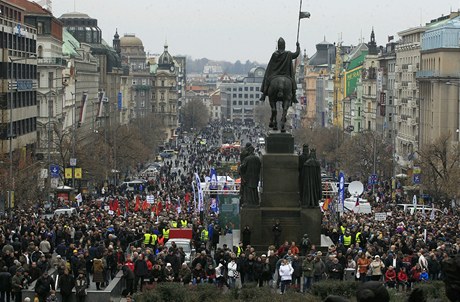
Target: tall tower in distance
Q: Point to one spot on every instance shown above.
(46, 4)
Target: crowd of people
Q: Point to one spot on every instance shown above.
(119, 231)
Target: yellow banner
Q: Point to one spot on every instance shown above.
(78, 173)
(68, 173)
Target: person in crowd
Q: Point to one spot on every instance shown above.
(140, 272)
(66, 283)
(52, 297)
(185, 274)
(128, 276)
(363, 266)
(319, 268)
(5, 284)
(308, 266)
(232, 271)
(390, 277)
(98, 272)
(335, 269)
(285, 273)
(376, 267)
(403, 279)
(80, 287)
(43, 286)
(17, 286)
(168, 273)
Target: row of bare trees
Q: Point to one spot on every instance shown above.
(105, 154)
(362, 154)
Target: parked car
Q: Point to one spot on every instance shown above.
(133, 185)
(65, 211)
(167, 153)
(186, 245)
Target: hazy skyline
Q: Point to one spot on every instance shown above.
(243, 30)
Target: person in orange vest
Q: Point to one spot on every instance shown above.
(161, 240)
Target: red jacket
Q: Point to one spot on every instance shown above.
(390, 275)
(402, 276)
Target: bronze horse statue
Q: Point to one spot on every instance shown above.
(280, 90)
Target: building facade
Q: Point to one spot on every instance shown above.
(18, 76)
(406, 97)
(439, 81)
(240, 99)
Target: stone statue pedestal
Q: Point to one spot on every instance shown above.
(280, 198)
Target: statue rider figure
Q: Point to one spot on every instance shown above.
(280, 64)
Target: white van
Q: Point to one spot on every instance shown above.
(363, 206)
(410, 208)
(132, 186)
(65, 211)
(261, 141)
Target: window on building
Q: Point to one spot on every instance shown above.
(240, 103)
(251, 88)
(234, 102)
(38, 80)
(240, 95)
(234, 95)
(240, 88)
(50, 79)
(245, 103)
(251, 103)
(245, 95)
(39, 28)
(162, 83)
(162, 96)
(246, 88)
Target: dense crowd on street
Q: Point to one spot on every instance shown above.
(119, 231)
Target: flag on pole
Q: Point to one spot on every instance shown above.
(194, 195)
(138, 203)
(326, 203)
(414, 200)
(303, 15)
(200, 192)
(357, 202)
(145, 205)
(116, 205)
(213, 179)
(432, 215)
(79, 199)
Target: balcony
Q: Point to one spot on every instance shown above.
(57, 61)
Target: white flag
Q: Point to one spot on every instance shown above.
(432, 215)
(414, 200)
(78, 198)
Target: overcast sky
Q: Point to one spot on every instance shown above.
(248, 29)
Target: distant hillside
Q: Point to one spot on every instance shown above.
(197, 66)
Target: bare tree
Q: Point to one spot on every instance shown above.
(262, 114)
(440, 171)
(195, 115)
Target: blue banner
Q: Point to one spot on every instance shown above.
(341, 189)
(213, 179)
(120, 101)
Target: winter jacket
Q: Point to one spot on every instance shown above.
(285, 272)
(66, 284)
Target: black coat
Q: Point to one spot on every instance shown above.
(140, 268)
(66, 284)
(5, 281)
